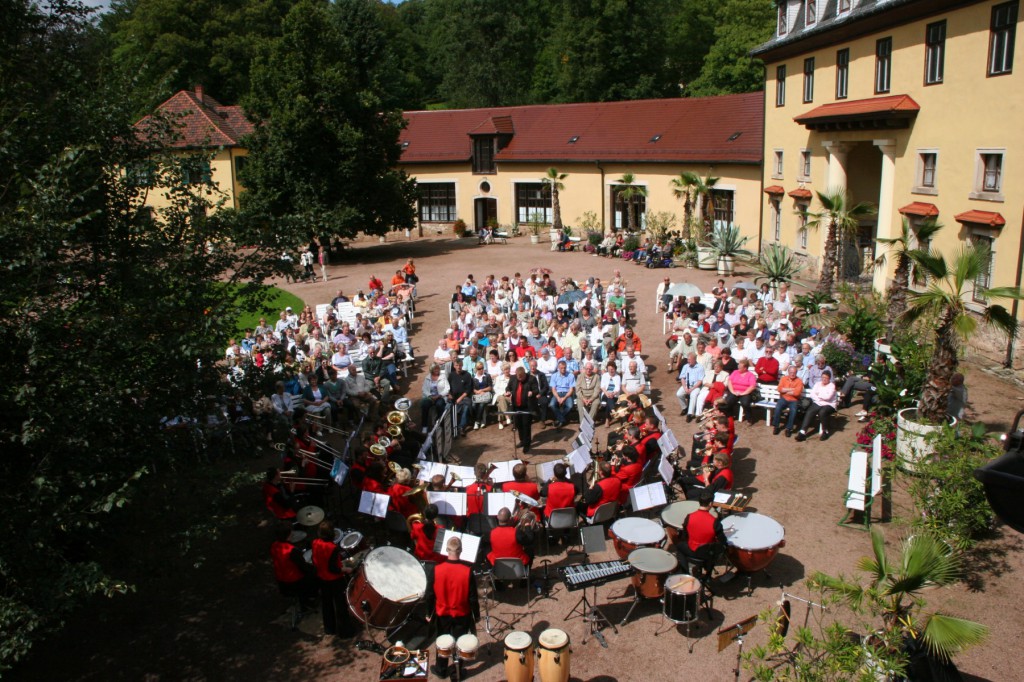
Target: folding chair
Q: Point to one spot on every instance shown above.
(564, 520)
(512, 570)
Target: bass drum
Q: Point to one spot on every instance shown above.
(386, 587)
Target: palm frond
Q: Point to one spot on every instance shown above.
(945, 636)
(1000, 319)
(927, 229)
(965, 324)
(881, 558)
(1003, 292)
(968, 263)
(933, 265)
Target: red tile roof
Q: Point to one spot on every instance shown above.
(774, 189)
(899, 105)
(204, 122)
(920, 208)
(801, 193)
(990, 218)
(727, 129)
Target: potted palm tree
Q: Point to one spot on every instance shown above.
(949, 285)
(727, 246)
(777, 264)
(534, 226)
(629, 191)
(841, 219)
(553, 180)
(903, 250)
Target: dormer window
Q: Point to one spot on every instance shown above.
(811, 12)
(656, 138)
(843, 6)
(483, 154)
(783, 20)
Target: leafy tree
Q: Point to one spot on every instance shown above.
(554, 179)
(322, 158)
(840, 218)
(950, 282)
(902, 249)
(728, 67)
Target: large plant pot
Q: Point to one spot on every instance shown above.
(911, 435)
(535, 239)
(882, 347)
(725, 265)
(706, 258)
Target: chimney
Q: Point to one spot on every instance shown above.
(199, 92)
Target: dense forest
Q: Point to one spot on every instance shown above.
(461, 53)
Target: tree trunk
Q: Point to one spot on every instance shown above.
(828, 262)
(556, 210)
(944, 362)
(898, 294)
(629, 215)
(688, 213)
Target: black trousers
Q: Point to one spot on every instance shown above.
(819, 412)
(524, 427)
(732, 400)
(337, 619)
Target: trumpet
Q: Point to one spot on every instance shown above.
(335, 429)
(384, 441)
(455, 479)
(394, 431)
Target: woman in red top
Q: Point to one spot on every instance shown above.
(331, 574)
(423, 532)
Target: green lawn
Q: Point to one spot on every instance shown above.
(278, 300)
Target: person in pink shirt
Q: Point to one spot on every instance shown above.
(739, 389)
(824, 398)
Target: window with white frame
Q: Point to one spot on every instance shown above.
(988, 179)
(809, 80)
(779, 165)
(811, 12)
(777, 219)
(842, 72)
(780, 85)
(725, 206)
(1002, 38)
(843, 6)
(883, 65)
(927, 166)
(533, 202)
(436, 202)
(934, 53)
(801, 225)
(984, 279)
(805, 165)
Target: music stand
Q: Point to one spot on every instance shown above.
(515, 431)
(735, 633)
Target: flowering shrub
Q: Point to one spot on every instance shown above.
(627, 255)
(875, 425)
(842, 357)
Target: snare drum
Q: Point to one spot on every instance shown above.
(673, 516)
(389, 582)
(351, 542)
(631, 533)
(445, 645)
(753, 540)
(467, 646)
(519, 660)
(682, 598)
(652, 567)
(555, 655)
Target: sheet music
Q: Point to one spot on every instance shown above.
(668, 441)
(339, 471)
(587, 430)
(374, 504)
(580, 458)
(578, 441)
(665, 467)
(546, 471)
(495, 502)
(448, 504)
(648, 496)
(503, 471)
(659, 415)
(722, 498)
(876, 466)
(470, 545)
(585, 418)
(431, 469)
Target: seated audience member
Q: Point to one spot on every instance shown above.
(823, 397)
(791, 389)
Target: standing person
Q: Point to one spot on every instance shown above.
(824, 397)
(452, 600)
(460, 393)
(307, 260)
(322, 255)
(521, 393)
(957, 396)
(331, 574)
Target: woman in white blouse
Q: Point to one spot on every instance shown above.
(696, 407)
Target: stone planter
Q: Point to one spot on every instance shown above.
(535, 239)
(725, 266)
(706, 258)
(882, 348)
(911, 443)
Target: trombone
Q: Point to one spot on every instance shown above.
(290, 477)
(327, 448)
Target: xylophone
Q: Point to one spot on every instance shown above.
(580, 576)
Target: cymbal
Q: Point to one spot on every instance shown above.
(310, 516)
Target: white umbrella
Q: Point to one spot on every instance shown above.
(683, 289)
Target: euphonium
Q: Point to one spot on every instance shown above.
(413, 518)
(384, 441)
(395, 431)
(418, 495)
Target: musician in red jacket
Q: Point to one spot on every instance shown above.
(295, 578)
(700, 530)
(476, 492)
(276, 497)
(452, 599)
(560, 491)
(399, 502)
(717, 476)
(627, 470)
(523, 486)
(512, 541)
(331, 573)
(606, 490)
(647, 447)
(423, 532)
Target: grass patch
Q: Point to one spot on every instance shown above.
(277, 300)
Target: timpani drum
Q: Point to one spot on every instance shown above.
(630, 533)
(467, 646)
(519, 659)
(386, 587)
(554, 655)
(672, 517)
(753, 540)
(652, 567)
(445, 645)
(682, 598)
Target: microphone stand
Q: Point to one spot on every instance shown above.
(515, 430)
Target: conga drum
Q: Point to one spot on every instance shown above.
(682, 598)
(519, 657)
(467, 646)
(630, 533)
(753, 540)
(652, 567)
(386, 587)
(445, 645)
(555, 655)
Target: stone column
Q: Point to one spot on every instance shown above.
(837, 152)
(885, 229)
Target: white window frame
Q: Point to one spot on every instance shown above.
(919, 185)
(801, 225)
(843, 74)
(782, 27)
(935, 54)
(843, 7)
(976, 236)
(804, 171)
(981, 169)
(777, 219)
(883, 67)
(438, 181)
(810, 13)
(779, 165)
(780, 85)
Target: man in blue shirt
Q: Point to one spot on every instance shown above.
(720, 322)
(563, 386)
(691, 378)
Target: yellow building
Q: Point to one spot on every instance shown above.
(209, 131)
(482, 165)
(911, 105)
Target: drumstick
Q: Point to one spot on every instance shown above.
(414, 594)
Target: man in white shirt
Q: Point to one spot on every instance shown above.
(632, 380)
(282, 324)
(293, 319)
(547, 363)
(756, 350)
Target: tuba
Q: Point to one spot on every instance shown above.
(418, 496)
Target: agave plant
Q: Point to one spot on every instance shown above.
(893, 593)
(727, 241)
(777, 264)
